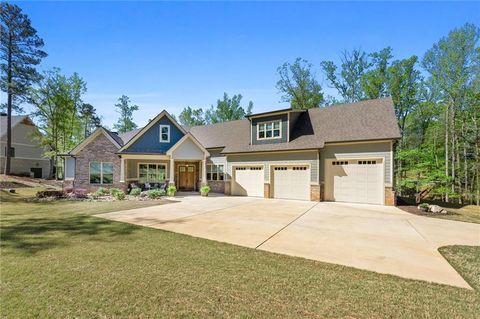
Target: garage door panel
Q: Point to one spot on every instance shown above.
(291, 182)
(358, 181)
(248, 181)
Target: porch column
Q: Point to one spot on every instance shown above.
(204, 171)
(122, 170)
(172, 172)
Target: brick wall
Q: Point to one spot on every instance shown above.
(100, 149)
(266, 190)
(217, 186)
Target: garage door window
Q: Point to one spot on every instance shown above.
(215, 172)
(367, 162)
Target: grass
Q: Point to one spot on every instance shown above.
(58, 261)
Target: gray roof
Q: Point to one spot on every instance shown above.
(360, 121)
(15, 120)
(127, 136)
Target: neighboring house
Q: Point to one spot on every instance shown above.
(337, 153)
(26, 153)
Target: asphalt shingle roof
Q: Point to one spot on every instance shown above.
(360, 121)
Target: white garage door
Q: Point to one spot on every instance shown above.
(248, 181)
(291, 182)
(356, 181)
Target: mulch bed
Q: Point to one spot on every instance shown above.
(414, 210)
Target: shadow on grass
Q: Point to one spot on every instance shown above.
(36, 234)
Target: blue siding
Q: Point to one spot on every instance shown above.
(149, 142)
(282, 117)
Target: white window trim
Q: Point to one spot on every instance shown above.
(269, 138)
(160, 137)
(101, 173)
(157, 164)
(218, 173)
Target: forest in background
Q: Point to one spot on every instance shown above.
(436, 98)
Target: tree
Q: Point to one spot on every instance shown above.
(192, 117)
(89, 118)
(228, 109)
(298, 85)
(453, 67)
(57, 101)
(20, 50)
(375, 81)
(349, 81)
(125, 122)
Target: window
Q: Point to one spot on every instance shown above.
(12, 151)
(164, 133)
(215, 172)
(148, 173)
(101, 173)
(340, 163)
(367, 162)
(269, 130)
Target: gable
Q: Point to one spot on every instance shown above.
(149, 141)
(188, 150)
(284, 129)
(98, 132)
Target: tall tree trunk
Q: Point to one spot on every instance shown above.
(446, 150)
(8, 151)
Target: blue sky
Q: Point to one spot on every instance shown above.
(170, 55)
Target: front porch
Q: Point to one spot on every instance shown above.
(183, 165)
(185, 174)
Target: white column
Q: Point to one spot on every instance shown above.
(122, 170)
(172, 171)
(204, 171)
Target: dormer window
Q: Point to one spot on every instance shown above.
(164, 133)
(269, 130)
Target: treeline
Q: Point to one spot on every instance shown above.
(437, 104)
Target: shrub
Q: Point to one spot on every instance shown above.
(119, 194)
(205, 189)
(114, 191)
(135, 191)
(50, 193)
(171, 190)
(102, 191)
(155, 193)
(424, 205)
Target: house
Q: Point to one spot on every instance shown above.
(26, 153)
(337, 153)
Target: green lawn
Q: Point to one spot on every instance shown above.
(58, 261)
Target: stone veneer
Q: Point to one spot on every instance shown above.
(217, 186)
(390, 197)
(228, 188)
(266, 190)
(100, 149)
(315, 193)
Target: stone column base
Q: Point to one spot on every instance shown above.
(390, 197)
(266, 190)
(315, 193)
(227, 188)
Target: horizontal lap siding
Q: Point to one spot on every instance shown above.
(372, 150)
(268, 159)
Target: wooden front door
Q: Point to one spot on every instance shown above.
(186, 177)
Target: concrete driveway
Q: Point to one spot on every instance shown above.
(376, 238)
